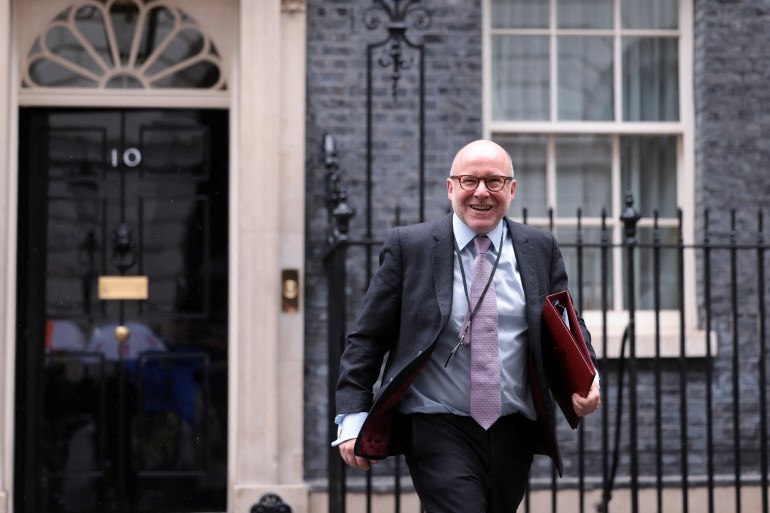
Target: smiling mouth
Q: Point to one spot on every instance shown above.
(481, 208)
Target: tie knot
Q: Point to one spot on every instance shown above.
(482, 244)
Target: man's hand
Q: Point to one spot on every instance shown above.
(346, 451)
(586, 405)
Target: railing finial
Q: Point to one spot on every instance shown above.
(336, 195)
(630, 216)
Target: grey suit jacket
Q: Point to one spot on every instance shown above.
(405, 309)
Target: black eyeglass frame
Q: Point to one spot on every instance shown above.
(478, 179)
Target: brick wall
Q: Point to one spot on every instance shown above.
(732, 103)
(732, 158)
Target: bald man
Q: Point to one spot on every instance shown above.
(419, 311)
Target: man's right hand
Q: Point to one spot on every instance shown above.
(346, 451)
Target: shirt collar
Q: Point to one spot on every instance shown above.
(464, 235)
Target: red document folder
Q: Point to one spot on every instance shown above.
(568, 365)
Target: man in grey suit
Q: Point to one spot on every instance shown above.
(416, 318)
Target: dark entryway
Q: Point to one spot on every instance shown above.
(140, 424)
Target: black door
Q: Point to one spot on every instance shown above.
(122, 403)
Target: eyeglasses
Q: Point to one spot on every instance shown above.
(494, 183)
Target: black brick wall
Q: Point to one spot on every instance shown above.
(732, 103)
(732, 158)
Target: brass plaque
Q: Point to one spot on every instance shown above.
(123, 287)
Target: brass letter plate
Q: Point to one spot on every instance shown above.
(123, 287)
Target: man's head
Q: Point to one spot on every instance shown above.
(481, 208)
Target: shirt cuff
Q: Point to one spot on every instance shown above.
(349, 425)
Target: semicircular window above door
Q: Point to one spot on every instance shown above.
(123, 44)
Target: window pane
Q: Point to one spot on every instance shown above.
(61, 41)
(186, 44)
(590, 272)
(90, 23)
(201, 74)
(655, 275)
(49, 74)
(650, 79)
(519, 14)
(528, 153)
(650, 14)
(648, 171)
(159, 25)
(585, 78)
(583, 175)
(124, 19)
(520, 78)
(585, 14)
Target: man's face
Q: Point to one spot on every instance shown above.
(481, 209)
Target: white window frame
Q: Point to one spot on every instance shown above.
(683, 129)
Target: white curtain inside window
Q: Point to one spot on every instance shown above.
(666, 270)
(586, 274)
(529, 154)
(585, 78)
(648, 171)
(583, 175)
(520, 78)
(650, 79)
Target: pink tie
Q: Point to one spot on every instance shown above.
(485, 357)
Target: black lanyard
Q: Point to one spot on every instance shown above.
(471, 313)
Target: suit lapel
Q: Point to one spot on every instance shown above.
(442, 260)
(530, 282)
(526, 261)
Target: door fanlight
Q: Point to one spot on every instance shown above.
(123, 44)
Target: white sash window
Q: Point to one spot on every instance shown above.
(593, 98)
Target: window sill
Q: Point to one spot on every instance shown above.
(668, 334)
